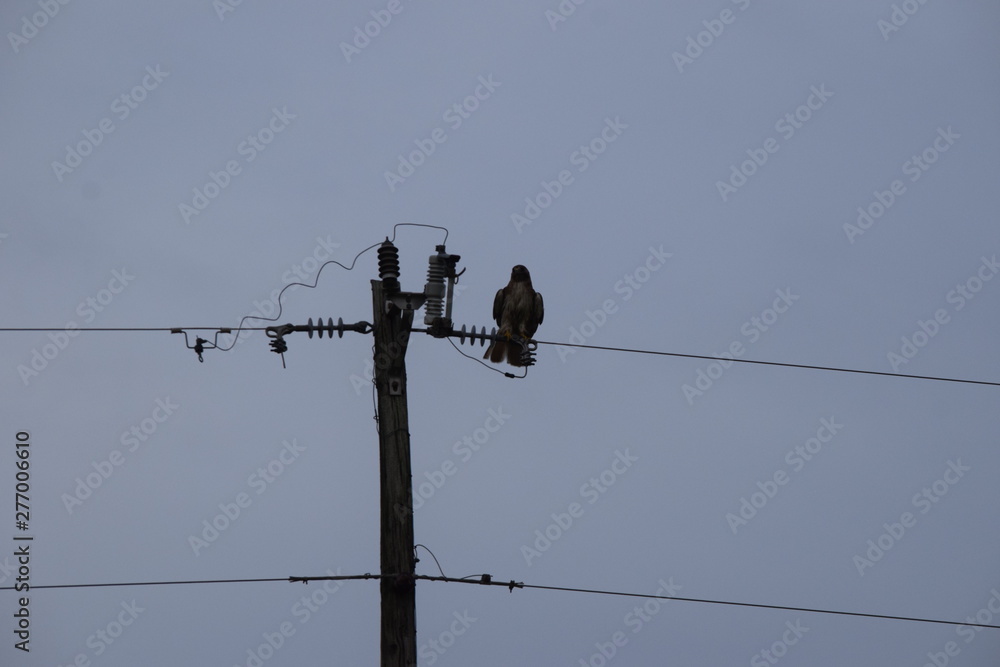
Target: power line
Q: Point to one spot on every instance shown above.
(151, 583)
(681, 355)
(196, 581)
(540, 342)
(485, 579)
(762, 606)
(772, 363)
(170, 329)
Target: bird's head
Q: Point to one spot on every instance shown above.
(520, 273)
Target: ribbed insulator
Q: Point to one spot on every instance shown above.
(482, 337)
(329, 328)
(434, 290)
(388, 261)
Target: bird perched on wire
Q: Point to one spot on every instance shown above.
(518, 310)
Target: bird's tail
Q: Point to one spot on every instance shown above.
(496, 351)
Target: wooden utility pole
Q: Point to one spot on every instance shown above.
(391, 330)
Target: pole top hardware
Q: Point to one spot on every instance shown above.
(200, 343)
(277, 333)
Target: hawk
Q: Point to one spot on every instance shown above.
(518, 310)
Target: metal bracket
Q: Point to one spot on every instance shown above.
(277, 333)
(200, 343)
(407, 300)
(528, 348)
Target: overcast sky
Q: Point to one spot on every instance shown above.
(810, 183)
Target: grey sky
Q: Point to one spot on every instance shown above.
(682, 177)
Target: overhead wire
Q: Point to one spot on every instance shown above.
(487, 580)
(395, 229)
(149, 583)
(681, 355)
(770, 363)
(319, 271)
(169, 329)
(891, 617)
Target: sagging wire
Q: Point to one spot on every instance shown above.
(374, 396)
(419, 224)
(277, 316)
(417, 560)
(492, 368)
(485, 579)
(236, 336)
